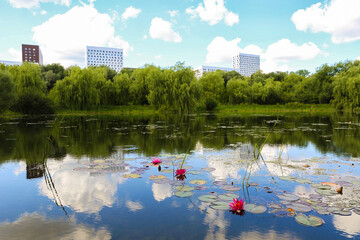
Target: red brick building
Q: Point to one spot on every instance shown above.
(31, 53)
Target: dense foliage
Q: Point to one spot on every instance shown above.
(31, 88)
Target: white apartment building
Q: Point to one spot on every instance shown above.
(111, 57)
(200, 71)
(10, 63)
(246, 63)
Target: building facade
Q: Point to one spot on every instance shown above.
(246, 63)
(10, 63)
(98, 56)
(31, 53)
(200, 71)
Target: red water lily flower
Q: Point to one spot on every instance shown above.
(236, 205)
(180, 174)
(156, 161)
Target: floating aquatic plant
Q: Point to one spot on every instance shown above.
(156, 161)
(237, 205)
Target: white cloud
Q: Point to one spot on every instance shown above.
(79, 190)
(173, 13)
(340, 18)
(130, 12)
(212, 12)
(36, 3)
(134, 206)
(43, 12)
(11, 55)
(161, 29)
(36, 226)
(220, 50)
(64, 37)
(358, 58)
(284, 50)
(161, 191)
(275, 58)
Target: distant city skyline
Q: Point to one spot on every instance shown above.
(289, 35)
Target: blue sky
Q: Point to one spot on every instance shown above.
(289, 35)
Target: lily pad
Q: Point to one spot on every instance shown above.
(153, 177)
(132, 175)
(161, 181)
(288, 197)
(167, 171)
(343, 213)
(357, 211)
(183, 194)
(176, 183)
(253, 184)
(201, 187)
(184, 188)
(287, 178)
(230, 188)
(193, 172)
(208, 169)
(323, 212)
(310, 221)
(220, 205)
(208, 198)
(315, 196)
(303, 181)
(197, 182)
(326, 192)
(275, 205)
(228, 196)
(344, 183)
(334, 209)
(252, 208)
(219, 183)
(187, 167)
(298, 207)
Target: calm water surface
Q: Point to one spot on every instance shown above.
(83, 189)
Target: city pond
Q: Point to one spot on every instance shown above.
(94, 178)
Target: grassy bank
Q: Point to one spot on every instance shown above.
(108, 110)
(254, 108)
(223, 110)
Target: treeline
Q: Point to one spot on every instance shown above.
(37, 89)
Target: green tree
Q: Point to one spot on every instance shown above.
(347, 89)
(271, 93)
(288, 87)
(7, 91)
(80, 89)
(51, 73)
(212, 84)
(238, 91)
(122, 85)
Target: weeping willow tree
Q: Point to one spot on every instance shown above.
(173, 89)
(347, 89)
(81, 89)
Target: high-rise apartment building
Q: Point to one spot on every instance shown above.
(246, 63)
(111, 57)
(10, 63)
(31, 53)
(200, 71)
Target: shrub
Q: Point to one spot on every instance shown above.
(33, 103)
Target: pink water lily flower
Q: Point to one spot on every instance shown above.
(156, 161)
(237, 205)
(180, 172)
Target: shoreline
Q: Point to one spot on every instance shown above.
(220, 110)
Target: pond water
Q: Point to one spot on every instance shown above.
(93, 177)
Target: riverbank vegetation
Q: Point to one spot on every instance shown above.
(37, 89)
